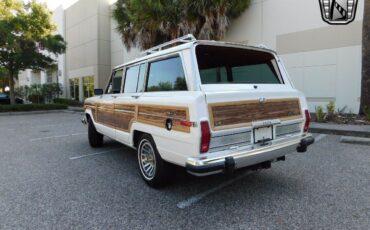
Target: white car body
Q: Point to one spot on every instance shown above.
(122, 116)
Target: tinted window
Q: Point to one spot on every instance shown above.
(260, 73)
(3, 95)
(214, 75)
(218, 64)
(166, 75)
(115, 84)
(131, 79)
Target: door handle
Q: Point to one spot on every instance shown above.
(114, 96)
(135, 96)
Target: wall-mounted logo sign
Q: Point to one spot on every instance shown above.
(338, 12)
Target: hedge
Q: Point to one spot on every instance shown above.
(31, 107)
(67, 102)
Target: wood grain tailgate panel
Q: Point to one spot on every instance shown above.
(241, 114)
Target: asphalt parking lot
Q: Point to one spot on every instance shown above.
(50, 178)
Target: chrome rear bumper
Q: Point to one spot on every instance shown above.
(205, 165)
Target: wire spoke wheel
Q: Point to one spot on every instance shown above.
(147, 159)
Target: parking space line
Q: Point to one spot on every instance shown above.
(319, 137)
(93, 154)
(196, 198)
(59, 136)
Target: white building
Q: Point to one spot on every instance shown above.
(324, 61)
(29, 77)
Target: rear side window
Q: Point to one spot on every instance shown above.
(134, 80)
(166, 75)
(131, 79)
(231, 65)
(115, 84)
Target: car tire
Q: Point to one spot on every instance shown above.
(95, 138)
(153, 169)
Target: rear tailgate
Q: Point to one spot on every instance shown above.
(235, 108)
(244, 114)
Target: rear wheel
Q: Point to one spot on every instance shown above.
(153, 168)
(95, 138)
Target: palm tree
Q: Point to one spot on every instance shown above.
(144, 23)
(365, 82)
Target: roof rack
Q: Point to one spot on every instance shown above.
(184, 39)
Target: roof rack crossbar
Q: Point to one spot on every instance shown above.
(184, 39)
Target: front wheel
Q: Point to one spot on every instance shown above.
(153, 168)
(95, 138)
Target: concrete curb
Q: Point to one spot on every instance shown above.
(342, 130)
(355, 140)
(40, 112)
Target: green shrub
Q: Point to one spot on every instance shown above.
(31, 107)
(320, 115)
(36, 99)
(330, 107)
(67, 102)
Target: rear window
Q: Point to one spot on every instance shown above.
(227, 65)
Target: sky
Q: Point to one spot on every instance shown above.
(53, 4)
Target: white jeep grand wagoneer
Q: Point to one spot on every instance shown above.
(207, 106)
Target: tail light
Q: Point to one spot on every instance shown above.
(206, 137)
(308, 120)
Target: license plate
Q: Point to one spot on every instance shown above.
(262, 134)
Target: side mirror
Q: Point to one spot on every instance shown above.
(98, 92)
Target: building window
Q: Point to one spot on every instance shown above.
(88, 86)
(74, 88)
(49, 76)
(166, 75)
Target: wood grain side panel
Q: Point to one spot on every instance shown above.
(241, 114)
(157, 116)
(93, 110)
(106, 117)
(124, 116)
(124, 120)
(121, 116)
(125, 107)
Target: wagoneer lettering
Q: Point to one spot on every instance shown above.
(208, 106)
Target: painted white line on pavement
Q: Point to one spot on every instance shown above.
(59, 136)
(319, 137)
(93, 154)
(196, 198)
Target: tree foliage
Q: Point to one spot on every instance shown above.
(26, 33)
(145, 23)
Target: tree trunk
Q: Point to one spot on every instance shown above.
(365, 82)
(11, 86)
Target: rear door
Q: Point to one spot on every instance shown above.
(125, 105)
